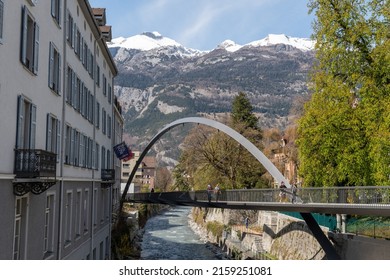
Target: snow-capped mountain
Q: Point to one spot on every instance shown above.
(160, 80)
(143, 42)
(303, 44)
(154, 40)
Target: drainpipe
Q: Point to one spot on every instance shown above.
(61, 158)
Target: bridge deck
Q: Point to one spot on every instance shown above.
(372, 201)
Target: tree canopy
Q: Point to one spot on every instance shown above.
(211, 157)
(344, 133)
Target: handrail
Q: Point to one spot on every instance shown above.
(331, 195)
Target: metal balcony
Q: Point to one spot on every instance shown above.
(35, 171)
(107, 177)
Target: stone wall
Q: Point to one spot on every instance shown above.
(282, 237)
(287, 238)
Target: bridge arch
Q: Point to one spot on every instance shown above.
(268, 165)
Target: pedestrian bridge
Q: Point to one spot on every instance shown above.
(373, 201)
(339, 200)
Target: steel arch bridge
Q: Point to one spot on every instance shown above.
(268, 165)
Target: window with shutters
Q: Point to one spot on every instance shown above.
(104, 121)
(75, 147)
(54, 69)
(49, 229)
(26, 124)
(97, 118)
(103, 161)
(68, 217)
(70, 86)
(20, 228)
(53, 135)
(104, 85)
(56, 11)
(29, 48)
(70, 30)
(68, 144)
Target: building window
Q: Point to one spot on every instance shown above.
(48, 238)
(109, 93)
(54, 69)
(26, 124)
(97, 121)
(108, 159)
(1, 20)
(56, 11)
(82, 150)
(53, 135)
(97, 75)
(97, 155)
(68, 144)
(103, 161)
(102, 204)
(75, 147)
(104, 85)
(96, 207)
(20, 228)
(108, 126)
(68, 217)
(30, 41)
(104, 121)
(78, 209)
(86, 211)
(70, 30)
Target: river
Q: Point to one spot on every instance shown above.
(168, 236)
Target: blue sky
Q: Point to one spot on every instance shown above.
(203, 24)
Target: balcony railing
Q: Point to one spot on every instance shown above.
(34, 163)
(108, 174)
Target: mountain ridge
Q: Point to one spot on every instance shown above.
(157, 85)
(150, 40)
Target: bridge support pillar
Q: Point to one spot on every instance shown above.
(325, 243)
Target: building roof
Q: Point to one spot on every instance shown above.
(149, 162)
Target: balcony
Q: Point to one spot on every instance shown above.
(108, 177)
(35, 171)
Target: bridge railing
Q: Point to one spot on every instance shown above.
(355, 195)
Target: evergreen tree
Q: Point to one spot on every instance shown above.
(212, 157)
(242, 112)
(344, 136)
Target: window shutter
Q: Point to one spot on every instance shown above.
(33, 126)
(59, 75)
(48, 132)
(20, 123)
(58, 142)
(53, 8)
(36, 48)
(51, 65)
(72, 153)
(59, 12)
(73, 88)
(23, 46)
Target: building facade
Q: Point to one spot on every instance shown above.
(59, 181)
(145, 174)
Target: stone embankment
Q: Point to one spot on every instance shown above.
(273, 235)
(270, 235)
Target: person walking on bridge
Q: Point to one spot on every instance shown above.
(217, 192)
(209, 192)
(294, 190)
(282, 193)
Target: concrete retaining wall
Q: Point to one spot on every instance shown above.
(288, 238)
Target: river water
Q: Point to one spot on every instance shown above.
(168, 236)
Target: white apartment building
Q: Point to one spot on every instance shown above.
(59, 121)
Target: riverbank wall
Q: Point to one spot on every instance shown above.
(273, 235)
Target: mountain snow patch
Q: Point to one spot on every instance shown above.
(168, 109)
